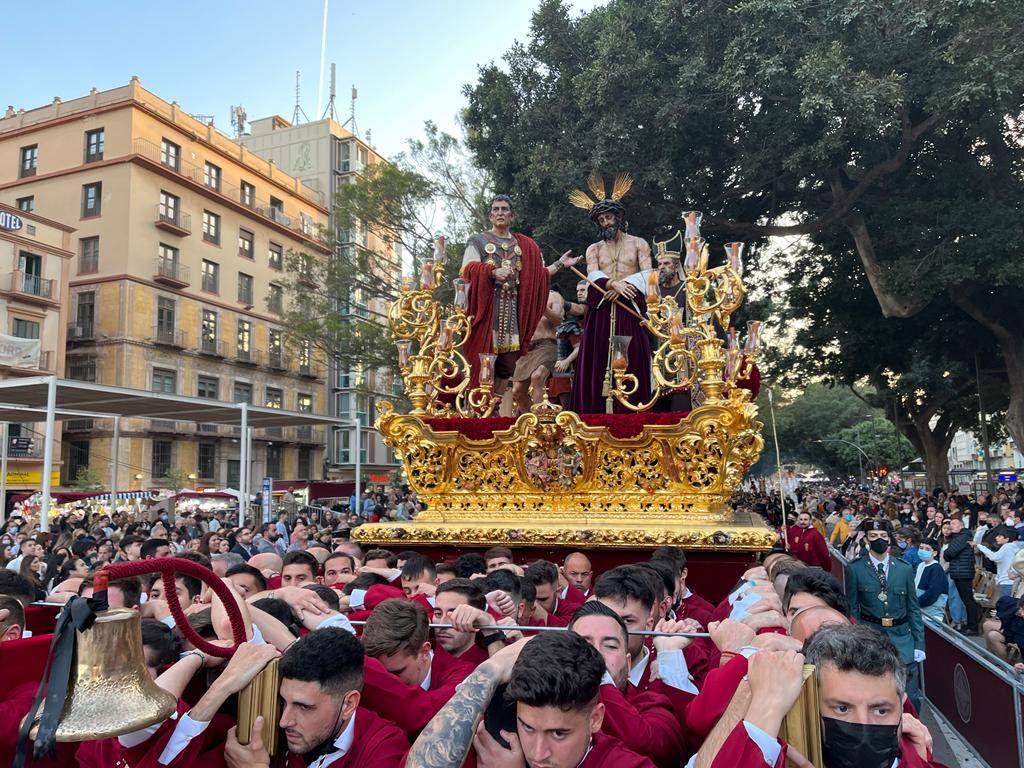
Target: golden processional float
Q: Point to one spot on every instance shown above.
(554, 478)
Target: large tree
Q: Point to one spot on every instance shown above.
(782, 119)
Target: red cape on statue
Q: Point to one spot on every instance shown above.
(533, 298)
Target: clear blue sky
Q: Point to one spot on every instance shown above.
(408, 58)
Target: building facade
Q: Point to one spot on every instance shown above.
(35, 255)
(324, 155)
(175, 285)
(967, 460)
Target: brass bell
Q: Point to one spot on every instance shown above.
(111, 692)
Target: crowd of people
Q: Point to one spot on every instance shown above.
(366, 681)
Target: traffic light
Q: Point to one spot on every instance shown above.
(882, 471)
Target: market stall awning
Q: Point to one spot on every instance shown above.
(25, 400)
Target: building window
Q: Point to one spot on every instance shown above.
(275, 398)
(29, 161)
(247, 194)
(305, 463)
(211, 276)
(242, 392)
(275, 299)
(211, 176)
(234, 477)
(170, 154)
(305, 356)
(345, 157)
(274, 347)
(208, 331)
(211, 227)
(344, 405)
(273, 461)
(244, 343)
(88, 255)
(342, 446)
(82, 367)
(94, 145)
(169, 207)
(92, 195)
(161, 463)
(165, 318)
(276, 259)
(304, 403)
(27, 204)
(206, 464)
(25, 329)
(78, 459)
(85, 315)
(246, 244)
(363, 409)
(245, 289)
(165, 381)
(208, 387)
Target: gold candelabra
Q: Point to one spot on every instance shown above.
(431, 336)
(692, 353)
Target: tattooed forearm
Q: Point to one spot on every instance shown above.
(445, 742)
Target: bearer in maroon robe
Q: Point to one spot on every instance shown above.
(618, 267)
(861, 689)
(551, 711)
(807, 545)
(508, 292)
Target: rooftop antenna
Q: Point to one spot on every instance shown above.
(205, 119)
(351, 122)
(238, 118)
(298, 107)
(331, 111)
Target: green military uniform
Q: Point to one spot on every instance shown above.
(889, 602)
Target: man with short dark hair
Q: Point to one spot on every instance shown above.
(248, 580)
(807, 544)
(298, 568)
(810, 587)
(338, 567)
(406, 680)
(418, 574)
(324, 724)
(495, 557)
(642, 720)
(154, 548)
(475, 635)
(17, 586)
(544, 576)
(628, 591)
(243, 543)
(554, 682)
(12, 618)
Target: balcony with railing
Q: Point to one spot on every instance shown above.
(34, 288)
(173, 220)
(168, 337)
(278, 360)
(309, 435)
(170, 272)
(213, 347)
(311, 369)
(298, 225)
(31, 366)
(248, 356)
(163, 425)
(83, 330)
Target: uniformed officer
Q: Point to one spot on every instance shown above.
(880, 589)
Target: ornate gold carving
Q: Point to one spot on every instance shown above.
(550, 477)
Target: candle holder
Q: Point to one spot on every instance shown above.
(692, 354)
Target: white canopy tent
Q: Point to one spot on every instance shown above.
(49, 399)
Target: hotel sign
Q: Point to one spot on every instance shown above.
(9, 221)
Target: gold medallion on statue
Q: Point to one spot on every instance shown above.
(489, 248)
(517, 251)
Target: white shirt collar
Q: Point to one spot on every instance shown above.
(884, 562)
(687, 593)
(564, 592)
(636, 672)
(425, 685)
(343, 743)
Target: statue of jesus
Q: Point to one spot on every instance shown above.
(618, 266)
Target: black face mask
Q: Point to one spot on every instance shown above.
(879, 546)
(856, 745)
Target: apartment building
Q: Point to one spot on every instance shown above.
(35, 254)
(178, 255)
(324, 155)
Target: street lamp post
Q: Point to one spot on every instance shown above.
(860, 453)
